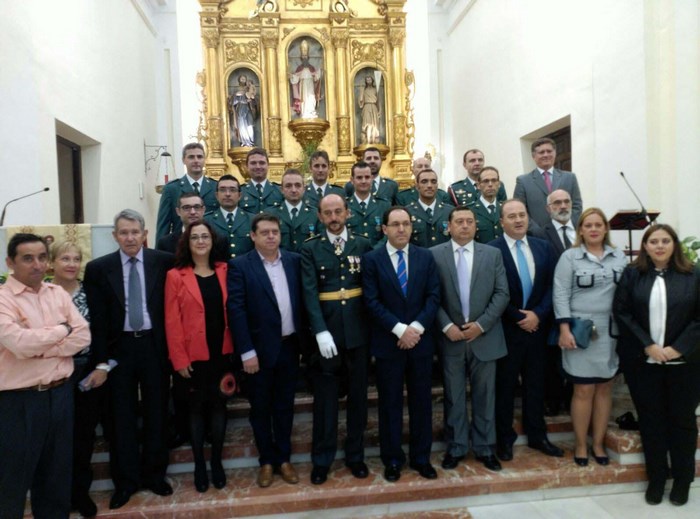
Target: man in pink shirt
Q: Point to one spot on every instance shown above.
(40, 331)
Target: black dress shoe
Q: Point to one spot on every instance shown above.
(655, 492)
(679, 493)
(546, 447)
(119, 498)
(201, 481)
(426, 470)
(177, 440)
(392, 473)
(218, 476)
(161, 488)
(504, 452)
(490, 462)
(450, 462)
(358, 469)
(85, 506)
(319, 475)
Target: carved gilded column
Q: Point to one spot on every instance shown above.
(210, 35)
(270, 39)
(396, 40)
(343, 88)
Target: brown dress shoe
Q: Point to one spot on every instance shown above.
(265, 476)
(289, 473)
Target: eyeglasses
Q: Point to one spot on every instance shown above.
(198, 237)
(228, 190)
(188, 208)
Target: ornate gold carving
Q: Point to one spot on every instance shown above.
(268, 6)
(303, 3)
(410, 82)
(286, 31)
(343, 134)
(201, 135)
(308, 131)
(239, 27)
(324, 34)
(274, 135)
(369, 27)
(367, 52)
(270, 38)
(381, 7)
(211, 38)
(396, 37)
(341, 7)
(216, 143)
(339, 37)
(248, 51)
(216, 172)
(399, 133)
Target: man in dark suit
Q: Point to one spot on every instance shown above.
(259, 194)
(232, 225)
(125, 292)
(366, 210)
(318, 186)
(474, 295)
(190, 208)
(265, 316)
(560, 232)
(466, 192)
(410, 194)
(381, 187)
(487, 208)
(194, 181)
(529, 264)
(298, 220)
(429, 216)
(532, 188)
(331, 271)
(401, 288)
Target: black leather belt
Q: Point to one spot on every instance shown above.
(43, 387)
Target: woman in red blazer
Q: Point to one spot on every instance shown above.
(199, 341)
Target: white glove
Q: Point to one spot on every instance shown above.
(326, 345)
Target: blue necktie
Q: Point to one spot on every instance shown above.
(464, 280)
(523, 272)
(401, 272)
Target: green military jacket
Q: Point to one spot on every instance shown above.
(367, 223)
(429, 230)
(251, 201)
(236, 237)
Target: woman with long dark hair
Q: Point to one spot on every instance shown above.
(657, 308)
(199, 341)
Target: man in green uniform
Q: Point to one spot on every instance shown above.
(410, 194)
(298, 221)
(259, 193)
(429, 217)
(466, 191)
(487, 208)
(232, 225)
(318, 186)
(331, 274)
(366, 210)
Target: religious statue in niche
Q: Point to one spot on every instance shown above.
(305, 62)
(369, 114)
(244, 109)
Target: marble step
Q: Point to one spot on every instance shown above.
(344, 496)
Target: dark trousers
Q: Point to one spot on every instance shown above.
(351, 366)
(526, 353)
(36, 438)
(557, 389)
(391, 373)
(88, 409)
(140, 367)
(666, 398)
(271, 396)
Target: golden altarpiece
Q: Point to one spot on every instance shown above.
(294, 75)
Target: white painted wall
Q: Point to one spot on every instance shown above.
(625, 73)
(100, 69)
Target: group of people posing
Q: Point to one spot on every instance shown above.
(257, 275)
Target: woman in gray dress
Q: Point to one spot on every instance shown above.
(584, 285)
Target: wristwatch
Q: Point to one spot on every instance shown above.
(68, 327)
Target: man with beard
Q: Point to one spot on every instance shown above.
(331, 274)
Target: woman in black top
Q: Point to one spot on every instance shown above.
(657, 308)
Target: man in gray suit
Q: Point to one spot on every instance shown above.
(474, 295)
(532, 188)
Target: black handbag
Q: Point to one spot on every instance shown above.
(583, 331)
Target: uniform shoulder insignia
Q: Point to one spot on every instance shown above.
(315, 237)
(406, 190)
(275, 184)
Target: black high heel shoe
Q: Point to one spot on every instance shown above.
(600, 460)
(201, 481)
(581, 462)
